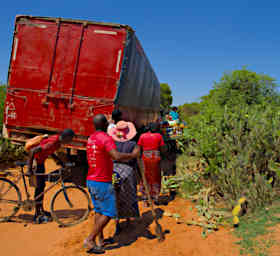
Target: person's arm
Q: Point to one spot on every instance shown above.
(57, 160)
(122, 157)
(111, 148)
(31, 158)
(136, 151)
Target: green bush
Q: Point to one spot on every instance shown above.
(189, 110)
(10, 152)
(236, 137)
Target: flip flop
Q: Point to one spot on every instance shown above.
(48, 214)
(41, 219)
(96, 250)
(108, 241)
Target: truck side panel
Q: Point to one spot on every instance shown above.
(139, 90)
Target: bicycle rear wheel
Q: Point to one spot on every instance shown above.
(10, 199)
(70, 206)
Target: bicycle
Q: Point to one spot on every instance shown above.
(70, 205)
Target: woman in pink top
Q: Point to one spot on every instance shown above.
(152, 145)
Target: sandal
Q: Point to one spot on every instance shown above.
(48, 214)
(108, 241)
(40, 219)
(96, 250)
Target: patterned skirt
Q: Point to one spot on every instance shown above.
(151, 160)
(126, 191)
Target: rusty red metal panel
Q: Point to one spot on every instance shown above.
(31, 57)
(52, 59)
(103, 49)
(65, 59)
(63, 72)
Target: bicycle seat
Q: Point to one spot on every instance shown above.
(21, 163)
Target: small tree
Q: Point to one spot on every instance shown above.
(166, 98)
(189, 110)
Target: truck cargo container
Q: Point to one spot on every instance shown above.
(63, 72)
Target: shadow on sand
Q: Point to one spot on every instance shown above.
(66, 216)
(136, 229)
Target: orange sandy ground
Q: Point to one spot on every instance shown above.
(22, 238)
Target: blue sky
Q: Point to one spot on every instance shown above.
(189, 43)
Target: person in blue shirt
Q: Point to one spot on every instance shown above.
(174, 115)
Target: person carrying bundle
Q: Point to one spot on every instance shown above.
(174, 115)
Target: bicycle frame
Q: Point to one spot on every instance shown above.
(62, 177)
(60, 180)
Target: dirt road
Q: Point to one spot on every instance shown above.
(22, 238)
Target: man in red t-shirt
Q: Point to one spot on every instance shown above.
(40, 153)
(101, 151)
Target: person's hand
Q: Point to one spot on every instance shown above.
(135, 154)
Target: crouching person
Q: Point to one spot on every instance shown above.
(40, 153)
(101, 151)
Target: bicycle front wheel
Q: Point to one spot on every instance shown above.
(70, 206)
(10, 199)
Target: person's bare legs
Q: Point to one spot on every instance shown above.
(100, 221)
(118, 227)
(100, 237)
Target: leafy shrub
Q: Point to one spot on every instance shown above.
(188, 175)
(188, 110)
(10, 152)
(236, 137)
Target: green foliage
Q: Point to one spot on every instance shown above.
(242, 86)
(188, 110)
(188, 176)
(170, 184)
(2, 100)
(10, 152)
(253, 229)
(236, 137)
(190, 184)
(166, 98)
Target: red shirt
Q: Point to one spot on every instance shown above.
(49, 146)
(100, 162)
(151, 141)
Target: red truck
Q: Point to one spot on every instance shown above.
(63, 72)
